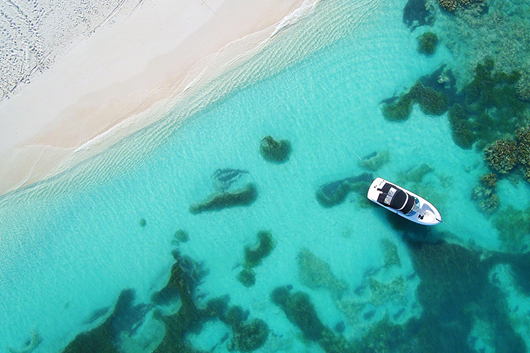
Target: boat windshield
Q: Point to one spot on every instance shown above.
(415, 208)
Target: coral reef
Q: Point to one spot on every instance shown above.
(449, 5)
(443, 81)
(224, 178)
(427, 43)
(301, 312)
(374, 161)
(488, 88)
(431, 102)
(497, 29)
(188, 318)
(315, 273)
(340, 327)
(454, 291)
(452, 5)
(97, 314)
(400, 109)
(254, 255)
(485, 110)
(485, 194)
(385, 337)
(102, 338)
(519, 265)
(505, 154)
(522, 136)
(247, 277)
(514, 228)
(351, 306)
(417, 13)
(247, 336)
(501, 156)
(415, 174)
(181, 236)
(390, 253)
(489, 180)
(377, 296)
(276, 151)
(143, 222)
(221, 200)
(461, 131)
(186, 274)
(385, 292)
(523, 87)
(438, 87)
(335, 192)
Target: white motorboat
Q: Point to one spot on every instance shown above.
(403, 202)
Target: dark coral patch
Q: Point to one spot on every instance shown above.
(452, 5)
(181, 236)
(454, 291)
(399, 109)
(431, 102)
(417, 13)
(335, 192)
(221, 200)
(523, 149)
(427, 43)
(248, 335)
(485, 110)
(485, 194)
(514, 228)
(276, 151)
(461, 131)
(254, 255)
(501, 156)
(103, 338)
(247, 277)
(491, 103)
(300, 311)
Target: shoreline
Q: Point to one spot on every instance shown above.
(123, 71)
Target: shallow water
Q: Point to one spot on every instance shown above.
(67, 256)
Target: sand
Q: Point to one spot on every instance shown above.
(131, 63)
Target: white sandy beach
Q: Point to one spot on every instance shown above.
(138, 57)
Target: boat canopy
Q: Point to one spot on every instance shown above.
(395, 198)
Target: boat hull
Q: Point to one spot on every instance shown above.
(425, 213)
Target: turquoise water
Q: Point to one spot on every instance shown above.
(67, 256)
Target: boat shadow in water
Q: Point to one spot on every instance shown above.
(411, 231)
